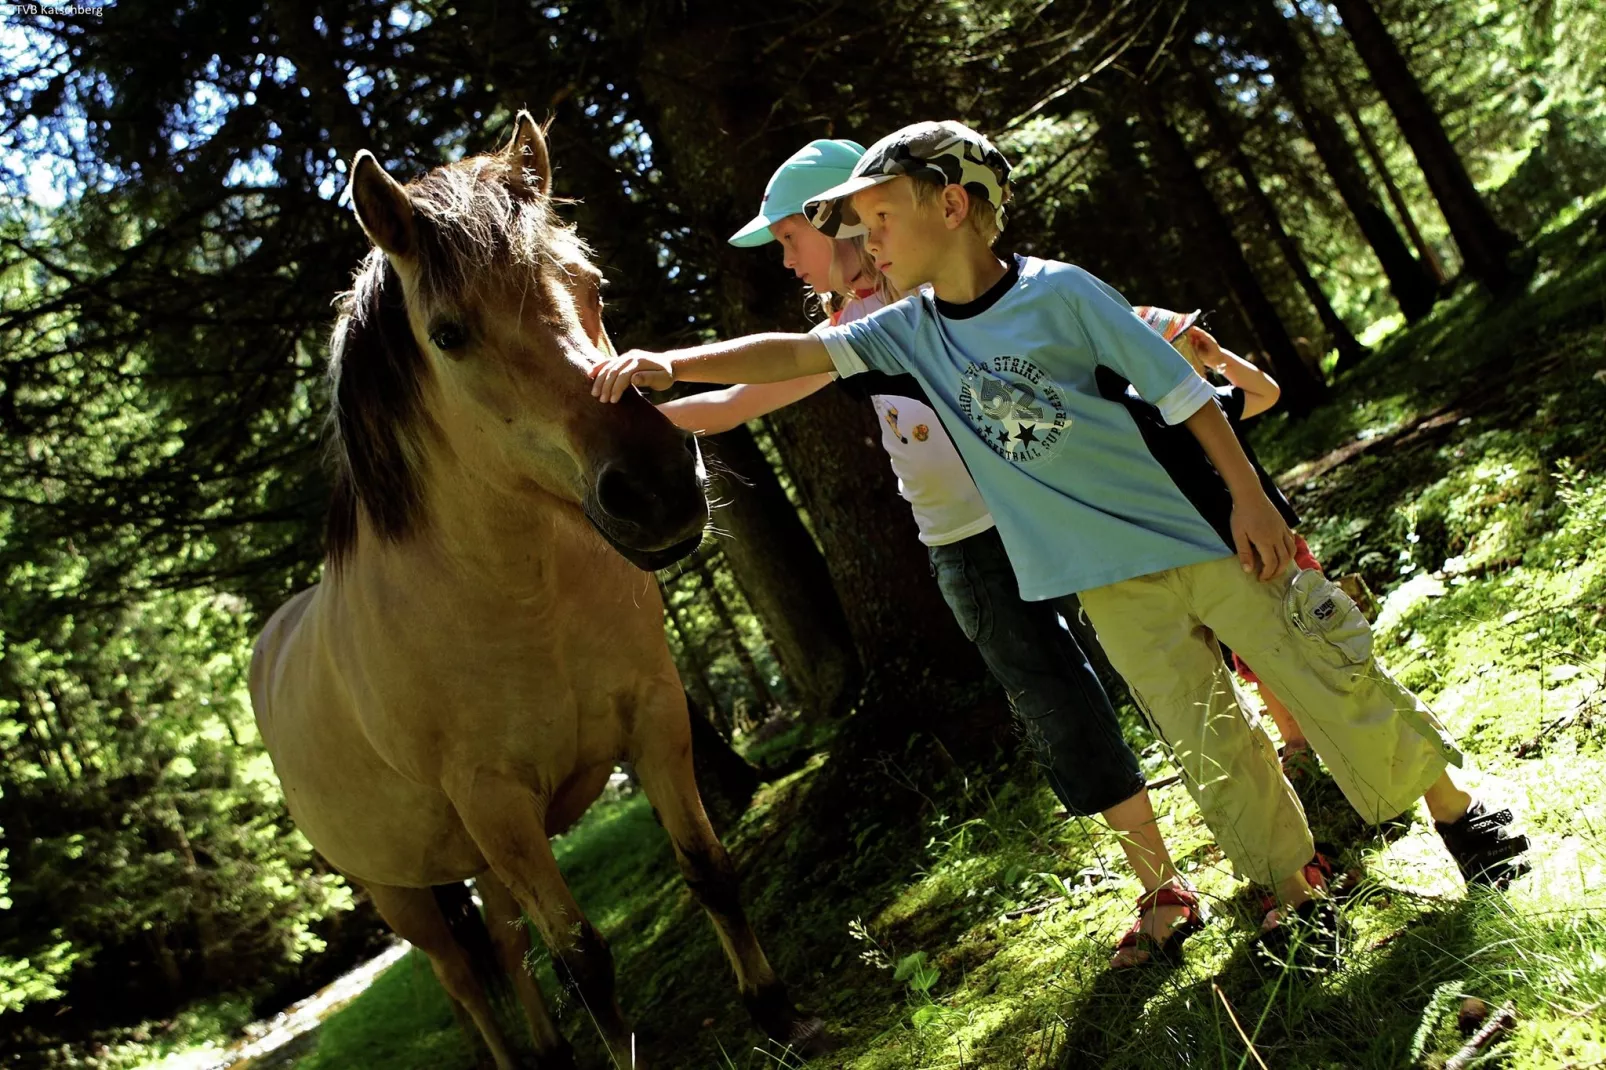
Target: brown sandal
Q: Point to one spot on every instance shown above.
(1168, 951)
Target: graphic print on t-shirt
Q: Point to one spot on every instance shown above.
(1014, 407)
(892, 422)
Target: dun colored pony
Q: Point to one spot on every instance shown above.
(485, 644)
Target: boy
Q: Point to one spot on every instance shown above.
(1007, 353)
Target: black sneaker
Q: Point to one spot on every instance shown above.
(1484, 847)
(1308, 939)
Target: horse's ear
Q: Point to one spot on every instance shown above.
(527, 156)
(382, 206)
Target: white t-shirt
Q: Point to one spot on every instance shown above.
(931, 476)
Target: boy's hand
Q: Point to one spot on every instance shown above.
(1259, 529)
(612, 377)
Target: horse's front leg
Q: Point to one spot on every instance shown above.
(663, 764)
(508, 823)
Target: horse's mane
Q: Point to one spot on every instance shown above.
(467, 223)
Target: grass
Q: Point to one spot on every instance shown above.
(1483, 534)
(403, 1020)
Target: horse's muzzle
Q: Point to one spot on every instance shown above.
(652, 511)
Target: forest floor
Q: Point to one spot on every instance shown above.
(1462, 470)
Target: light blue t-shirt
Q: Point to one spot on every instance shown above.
(1078, 498)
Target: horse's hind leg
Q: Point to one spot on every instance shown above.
(512, 939)
(416, 918)
(664, 767)
(509, 828)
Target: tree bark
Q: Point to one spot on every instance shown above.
(1485, 245)
(1229, 141)
(784, 577)
(1402, 209)
(1410, 281)
(1137, 194)
(894, 609)
(771, 554)
(1302, 391)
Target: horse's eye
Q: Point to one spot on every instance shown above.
(449, 336)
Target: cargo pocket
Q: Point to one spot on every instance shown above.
(1332, 628)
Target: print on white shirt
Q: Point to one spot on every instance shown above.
(892, 422)
(931, 476)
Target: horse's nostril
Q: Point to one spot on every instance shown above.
(617, 495)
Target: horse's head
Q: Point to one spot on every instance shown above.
(468, 334)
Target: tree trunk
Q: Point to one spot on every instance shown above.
(784, 577)
(1410, 281)
(1131, 192)
(1485, 245)
(214, 957)
(1302, 391)
(166, 959)
(894, 609)
(1229, 141)
(1425, 252)
(772, 556)
(1402, 209)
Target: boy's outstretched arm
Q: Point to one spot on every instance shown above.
(1257, 527)
(713, 411)
(758, 358)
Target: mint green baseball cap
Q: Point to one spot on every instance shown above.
(809, 171)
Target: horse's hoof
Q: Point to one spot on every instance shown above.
(811, 1037)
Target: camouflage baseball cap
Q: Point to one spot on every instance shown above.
(948, 151)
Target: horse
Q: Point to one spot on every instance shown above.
(486, 641)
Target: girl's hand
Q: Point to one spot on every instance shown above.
(1258, 530)
(1207, 350)
(612, 377)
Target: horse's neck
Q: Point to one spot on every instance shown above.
(473, 547)
(441, 640)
